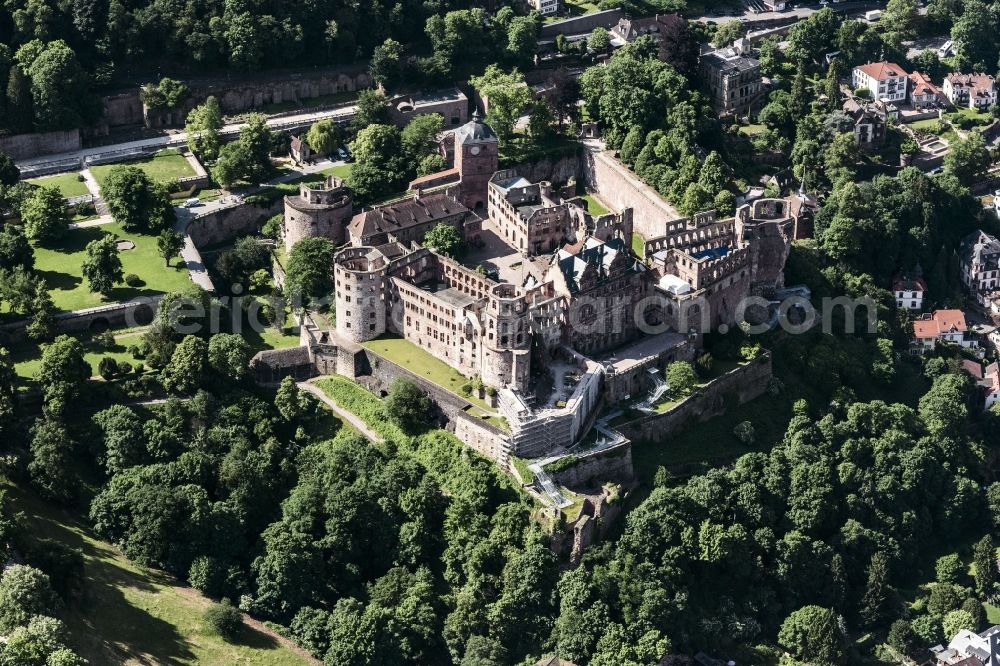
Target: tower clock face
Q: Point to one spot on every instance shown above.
(474, 150)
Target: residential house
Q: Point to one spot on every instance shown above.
(909, 292)
(979, 256)
(922, 91)
(545, 7)
(968, 648)
(975, 91)
(940, 326)
(299, 150)
(991, 384)
(732, 78)
(887, 82)
(869, 123)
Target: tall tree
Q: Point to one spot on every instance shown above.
(135, 201)
(45, 215)
(507, 98)
(984, 559)
(202, 129)
(102, 266)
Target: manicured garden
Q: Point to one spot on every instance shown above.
(125, 614)
(60, 266)
(68, 183)
(165, 166)
(27, 357)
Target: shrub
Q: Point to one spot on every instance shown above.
(224, 619)
(107, 368)
(133, 280)
(491, 391)
(125, 368)
(744, 432)
(272, 228)
(105, 340)
(465, 389)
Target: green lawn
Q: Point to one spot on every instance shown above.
(60, 266)
(408, 355)
(594, 207)
(130, 615)
(165, 166)
(751, 130)
(638, 245)
(27, 357)
(68, 183)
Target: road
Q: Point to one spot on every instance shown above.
(180, 138)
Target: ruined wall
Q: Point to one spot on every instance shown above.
(483, 438)
(24, 146)
(554, 170)
(593, 469)
(621, 188)
(227, 223)
(744, 383)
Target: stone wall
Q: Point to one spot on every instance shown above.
(593, 469)
(581, 24)
(117, 315)
(621, 188)
(24, 146)
(744, 384)
(122, 109)
(226, 224)
(557, 171)
(483, 438)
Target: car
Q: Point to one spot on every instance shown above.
(342, 154)
(192, 202)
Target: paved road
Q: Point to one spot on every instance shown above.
(181, 137)
(355, 422)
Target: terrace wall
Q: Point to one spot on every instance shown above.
(744, 383)
(580, 24)
(24, 146)
(116, 315)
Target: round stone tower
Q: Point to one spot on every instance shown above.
(507, 343)
(360, 278)
(323, 210)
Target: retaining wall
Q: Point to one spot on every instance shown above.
(25, 146)
(744, 383)
(581, 24)
(621, 188)
(558, 170)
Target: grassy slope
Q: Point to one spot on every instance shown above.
(60, 266)
(128, 615)
(163, 167)
(67, 183)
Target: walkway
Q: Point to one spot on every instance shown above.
(347, 416)
(545, 481)
(96, 222)
(180, 138)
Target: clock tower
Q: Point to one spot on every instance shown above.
(477, 159)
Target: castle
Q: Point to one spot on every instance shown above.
(552, 308)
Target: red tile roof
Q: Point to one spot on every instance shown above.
(882, 70)
(901, 283)
(941, 321)
(922, 85)
(973, 368)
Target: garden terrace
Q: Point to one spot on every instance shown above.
(165, 166)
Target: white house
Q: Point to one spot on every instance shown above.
(922, 91)
(983, 647)
(909, 292)
(888, 82)
(545, 7)
(979, 256)
(940, 326)
(975, 91)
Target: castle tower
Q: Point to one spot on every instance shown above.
(360, 278)
(323, 210)
(507, 341)
(477, 159)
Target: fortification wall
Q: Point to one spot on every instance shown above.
(620, 187)
(483, 438)
(744, 383)
(227, 223)
(24, 146)
(593, 469)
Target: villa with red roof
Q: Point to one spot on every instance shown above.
(887, 81)
(939, 326)
(922, 91)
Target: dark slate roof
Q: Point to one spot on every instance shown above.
(406, 213)
(475, 131)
